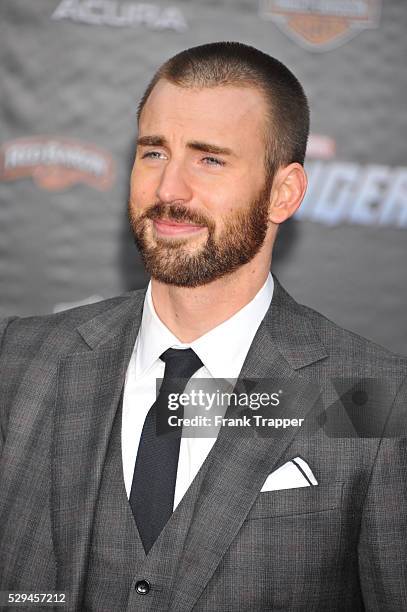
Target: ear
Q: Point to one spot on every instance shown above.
(289, 187)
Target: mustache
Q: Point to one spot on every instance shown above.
(177, 212)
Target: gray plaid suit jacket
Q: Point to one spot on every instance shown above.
(337, 546)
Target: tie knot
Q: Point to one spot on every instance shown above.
(180, 363)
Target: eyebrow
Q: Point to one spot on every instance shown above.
(195, 145)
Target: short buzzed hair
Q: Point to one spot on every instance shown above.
(222, 64)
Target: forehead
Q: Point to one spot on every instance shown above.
(228, 111)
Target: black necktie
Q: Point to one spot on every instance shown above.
(155, 472)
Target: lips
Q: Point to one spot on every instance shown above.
(175, 228)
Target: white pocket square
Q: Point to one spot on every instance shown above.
(295, 473)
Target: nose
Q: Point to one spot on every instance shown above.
(173, 185)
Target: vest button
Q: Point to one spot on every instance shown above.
(142, 587)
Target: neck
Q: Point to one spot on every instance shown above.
(191, 312)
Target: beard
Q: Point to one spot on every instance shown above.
(180, 262)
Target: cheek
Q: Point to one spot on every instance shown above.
(226, 203)
(142, 190)
(220, 200)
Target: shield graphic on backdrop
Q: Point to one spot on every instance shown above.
(321, 25)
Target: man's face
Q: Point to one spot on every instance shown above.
(199, 200)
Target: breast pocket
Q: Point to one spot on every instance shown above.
(302, 500)
(289, 549)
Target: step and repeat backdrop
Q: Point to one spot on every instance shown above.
(72, 74)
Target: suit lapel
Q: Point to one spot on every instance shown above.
(239, 464)
(89, 388)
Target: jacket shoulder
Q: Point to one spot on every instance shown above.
(344, 344)
(32, 330)
(341, 347)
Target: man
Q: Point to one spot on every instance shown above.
(100, 506)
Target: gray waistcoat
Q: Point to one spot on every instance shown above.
(117, 560)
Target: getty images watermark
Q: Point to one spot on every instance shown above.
(201, 406)
(346, 408)
(213, 401)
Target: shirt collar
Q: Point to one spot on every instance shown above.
(222, 350)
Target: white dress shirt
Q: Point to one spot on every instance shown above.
(222, 351)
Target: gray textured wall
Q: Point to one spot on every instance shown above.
(72, 74)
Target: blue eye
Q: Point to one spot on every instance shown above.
(151, 155)
(214, 161)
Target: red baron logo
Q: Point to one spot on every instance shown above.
(320, 25)
(56, 163)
